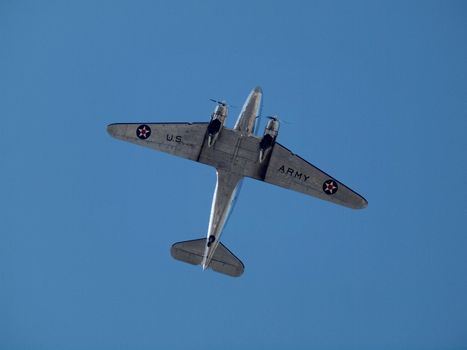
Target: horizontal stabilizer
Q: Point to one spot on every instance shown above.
(223, 260)
(190, 252)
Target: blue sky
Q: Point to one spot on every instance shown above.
(374, 93)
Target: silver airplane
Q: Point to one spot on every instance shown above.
(235, 153)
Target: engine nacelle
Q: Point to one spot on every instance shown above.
(216, 124)
(269, 137)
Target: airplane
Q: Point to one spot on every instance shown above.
(234, 153)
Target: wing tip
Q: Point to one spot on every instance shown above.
(363, 203)
(355, 203)
(112, 129)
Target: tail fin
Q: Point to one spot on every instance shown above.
(223, 260)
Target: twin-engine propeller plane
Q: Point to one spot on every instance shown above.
(235, 153)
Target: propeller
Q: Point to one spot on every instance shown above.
(276, 118)
(222, 103)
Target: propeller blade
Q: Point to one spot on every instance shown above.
(222, 103)
(218, 102)
(277, 119)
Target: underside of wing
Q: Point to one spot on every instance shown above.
(288, 170)
(181, 139)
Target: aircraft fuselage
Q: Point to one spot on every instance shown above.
(228, 183)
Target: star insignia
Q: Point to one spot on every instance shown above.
(143, 132)
(330, 187)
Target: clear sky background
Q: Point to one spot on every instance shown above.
(375, 94)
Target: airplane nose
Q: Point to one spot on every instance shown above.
(258, 89)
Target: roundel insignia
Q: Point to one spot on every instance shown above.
(143, 132)
(330, 187)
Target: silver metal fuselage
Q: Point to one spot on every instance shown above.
(228, 184)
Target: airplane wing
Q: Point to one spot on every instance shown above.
(294, 173)
(285, 169)
(180, 139)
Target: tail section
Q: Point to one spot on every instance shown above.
(223, 260)
(191, 252)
